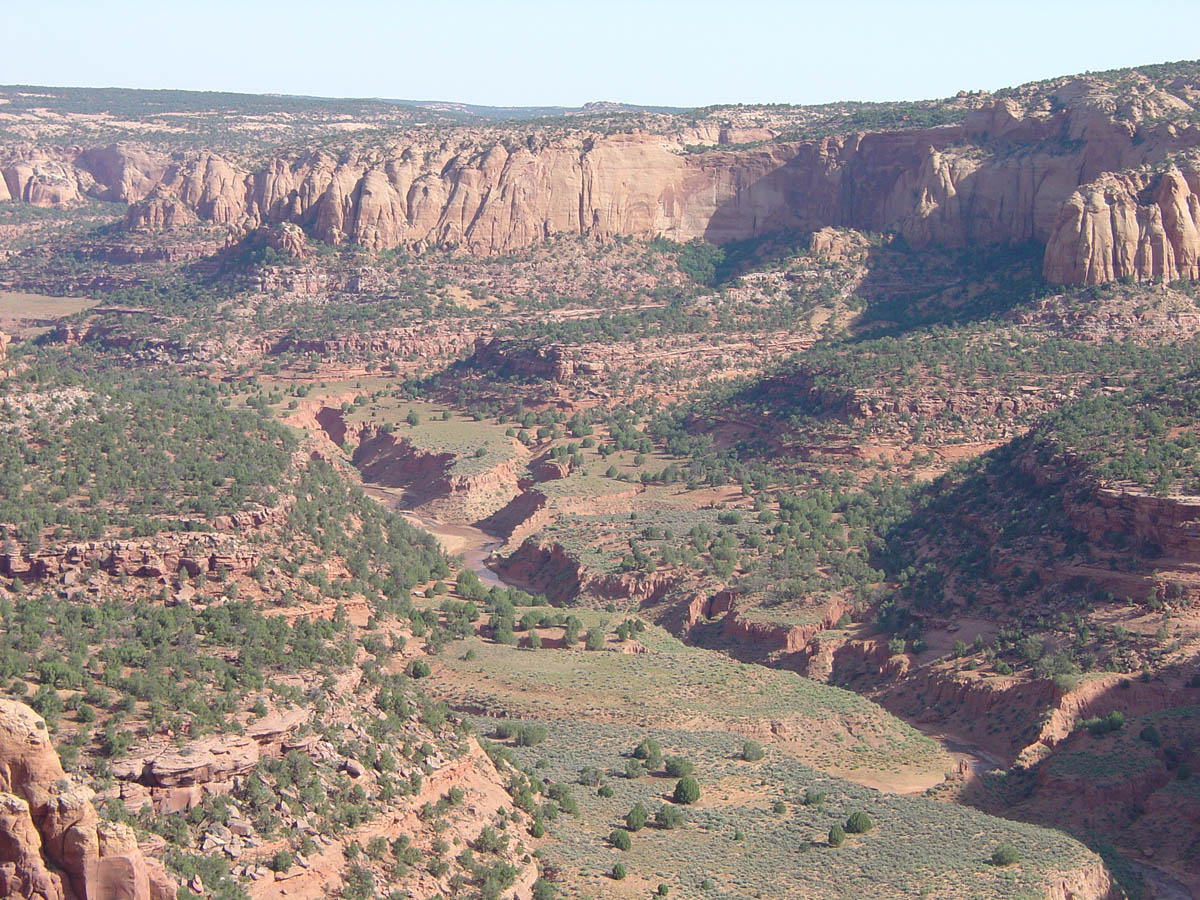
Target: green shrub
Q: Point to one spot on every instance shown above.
(648, 751)
(571, 632)
(529, 735)
(752, 751)
(687, 790)
(858, 823)
(1005, 855)
(490, 841)
(668, 816)
(418, 668)
(1102, 725)
(678, 766)
(837, 834)
(618, 872)
(619, 838)
(636, 817)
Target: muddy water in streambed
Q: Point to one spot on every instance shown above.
(474, 545)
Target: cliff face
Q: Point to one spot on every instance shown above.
(1138, 225)
(495, 198)
(53, 845)
(1004, 175)
(548, 569)
(1053, 172)
(425, 478)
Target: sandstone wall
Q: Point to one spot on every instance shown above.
(53, 845)
(1005, 174)
(1128, 225)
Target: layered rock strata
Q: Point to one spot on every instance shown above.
(1006, 173)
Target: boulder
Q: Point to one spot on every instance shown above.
(212, 760)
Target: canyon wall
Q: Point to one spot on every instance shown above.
(1128, 225)
(425, 480)
(1098, 191)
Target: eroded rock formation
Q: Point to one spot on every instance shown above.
(53, 846)
(165, 555)
(528, 359)
(1138, 226)
(1053, 172)
(172, 780)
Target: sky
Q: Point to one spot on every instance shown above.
(537, 52)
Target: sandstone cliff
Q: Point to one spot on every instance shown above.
(1128, 225)
(1053, 170)
(53, 846)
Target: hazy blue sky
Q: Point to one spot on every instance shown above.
(535, 52)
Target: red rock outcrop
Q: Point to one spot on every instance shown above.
(772, 637)
(122, 172)
(550, 570)
(427, 477)
(167, 554)
(528, 359)
(159, 212)
(1128, 225)
(287, 239)
(547, 570)
(23, 872)
(521, 517)
(426, 342)
(1092, 883)
(53, 846)
(1171, 524)
(1168, 527)
(708, 607)
(40, 180)
(176, 780)
(804, 386)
